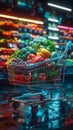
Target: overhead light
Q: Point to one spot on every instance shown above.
(21, 19)
(65, 27)
(53, 20)
(54, 38)
(60, 7)
(52, 28)
(70, 28)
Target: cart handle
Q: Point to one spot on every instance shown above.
(68, 46)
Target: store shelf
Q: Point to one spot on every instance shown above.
(51, 26)
(15, 31)
(66, 33)
(53, 38)
(53, 20)
(53, 29)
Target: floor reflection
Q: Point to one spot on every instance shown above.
(56, 114)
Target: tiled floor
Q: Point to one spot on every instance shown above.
(59, 114)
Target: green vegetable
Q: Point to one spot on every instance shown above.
(54, 54)
(44, 43)
(51, 46)
(36, 45)
(32, 50)
(35, 77)
(15, 54)
(41, 46)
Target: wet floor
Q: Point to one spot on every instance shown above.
(55, 114)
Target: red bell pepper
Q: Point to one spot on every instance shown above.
(49, 65)
(28, 78)
(19, 78)
(16, 77)
(3, 64)
(37, 59)
(34, 58)
(24, 79)
(30, 57)
(42, 76)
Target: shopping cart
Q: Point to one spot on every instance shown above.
(40, 97)
(48, 71)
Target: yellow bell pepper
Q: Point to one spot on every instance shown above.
(44, 53)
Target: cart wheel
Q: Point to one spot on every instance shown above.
(63, 107)
(15, 104)
(34, 110)
(16, 115)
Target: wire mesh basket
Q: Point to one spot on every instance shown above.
(47, 71)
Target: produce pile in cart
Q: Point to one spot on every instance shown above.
(34, 64)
